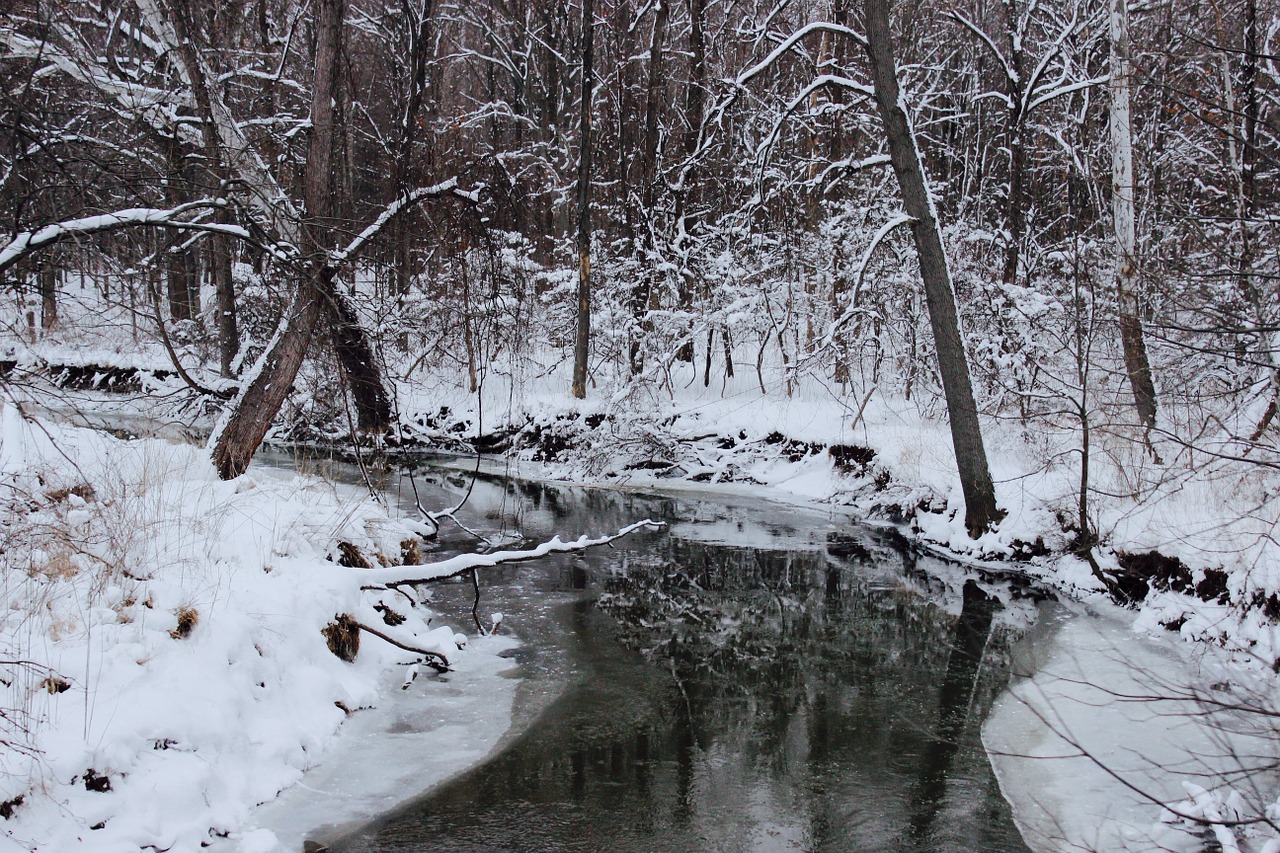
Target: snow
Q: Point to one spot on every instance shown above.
(184, 614)
(28, 241)
(416, 739)
(1105, 727)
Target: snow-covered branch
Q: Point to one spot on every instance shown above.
(449, 187)
(1067, 90)
(852, 309)
(790, 43)
(466, 562)
(27, 242)
(1010, 73)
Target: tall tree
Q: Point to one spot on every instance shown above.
(582, 338)
(1132, 339)
(981, 512)
(256, 406)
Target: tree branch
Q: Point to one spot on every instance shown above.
(466, 562)
(27, 242)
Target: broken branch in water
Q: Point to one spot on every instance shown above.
(463, 563)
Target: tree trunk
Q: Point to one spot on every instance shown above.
(252, 412)
(356, 356)
(695, 107)
(178, 266)
(224, 288)
(966, 436)
(225, 147)
(48, 276)
(1132, 339)
(582, 340)
(1016, 200)
(1246, 208)
(255, 408)
(1015, 214)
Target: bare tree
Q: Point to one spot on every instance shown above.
(1136, 363)
(582, 336)
(981, 512)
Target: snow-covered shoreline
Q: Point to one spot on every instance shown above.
(167, 664)
(708, 449)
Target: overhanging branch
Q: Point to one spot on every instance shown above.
(466, 562)
(28, 242)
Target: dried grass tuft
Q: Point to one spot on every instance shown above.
(343, 637)
(188, 618)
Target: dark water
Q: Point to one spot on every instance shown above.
(750, 678)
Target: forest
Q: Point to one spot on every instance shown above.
(1003, 273)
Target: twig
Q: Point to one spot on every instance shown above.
(435, 660)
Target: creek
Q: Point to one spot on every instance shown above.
(752, 677)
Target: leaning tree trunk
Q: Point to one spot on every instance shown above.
(1132, 339)
(966, 436)
(582, 339)
(225, 148)
(356, 356)
(259, 401)
(254, 410)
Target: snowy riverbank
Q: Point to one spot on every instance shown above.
(207, 544)
(1111, 739)
(166, 668)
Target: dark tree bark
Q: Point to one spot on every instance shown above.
(1016, 202)
(582, 340)
(356, 357)
(179, 276)
(255, 408)
(351, 342)
(695, 108)
(220, 245)
(48, 276)
(1247, 203)
(642, 292)
(966, 436)
(224, 288)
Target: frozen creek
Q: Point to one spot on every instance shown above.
(755, 677)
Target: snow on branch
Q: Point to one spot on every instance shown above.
(466, 562)
(763, 151)
(852, 310)
(790, 43)
(27, 242)
(1010, 72)
(449, 187)
(849, 164)
(1066, 90)
(838, 82)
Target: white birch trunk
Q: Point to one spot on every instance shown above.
(1132, 340)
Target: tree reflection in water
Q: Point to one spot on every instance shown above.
(782, 698)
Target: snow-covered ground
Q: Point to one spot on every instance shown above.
(165, 535)
(1107, 726)
(165, 669)
(412, 741)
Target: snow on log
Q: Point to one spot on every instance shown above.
(466, 562)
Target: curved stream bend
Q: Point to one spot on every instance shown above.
(752, 678)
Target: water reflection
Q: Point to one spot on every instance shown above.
(751, 679)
